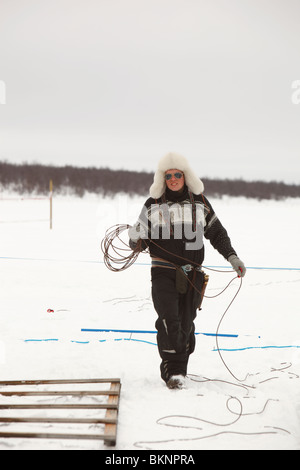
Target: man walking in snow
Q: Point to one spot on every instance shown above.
(172, 224)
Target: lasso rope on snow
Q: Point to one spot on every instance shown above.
(119, 262)
(165, 421)
(172, 420)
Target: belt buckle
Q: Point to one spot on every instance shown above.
(187, 268)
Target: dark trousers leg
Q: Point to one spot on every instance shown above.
(175, 323)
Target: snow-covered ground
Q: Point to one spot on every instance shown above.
(63, 270)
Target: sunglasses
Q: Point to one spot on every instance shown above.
(168, 176)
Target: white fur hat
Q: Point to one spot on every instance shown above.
(178, 162)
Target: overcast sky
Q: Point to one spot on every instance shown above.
(119, 83)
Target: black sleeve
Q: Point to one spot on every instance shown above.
(216, 233)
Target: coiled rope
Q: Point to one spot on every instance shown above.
(117, 254)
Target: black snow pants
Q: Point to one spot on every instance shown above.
(175, 323)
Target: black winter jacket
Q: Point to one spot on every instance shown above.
(173, 227)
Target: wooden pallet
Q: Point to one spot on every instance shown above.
(110, 421)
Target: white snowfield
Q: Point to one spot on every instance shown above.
(63, 270)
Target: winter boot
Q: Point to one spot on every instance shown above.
(176, 382)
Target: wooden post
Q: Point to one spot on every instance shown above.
(50, 195)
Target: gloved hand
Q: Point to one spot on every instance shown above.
(237, 265)
(139, 245)
(132, 244)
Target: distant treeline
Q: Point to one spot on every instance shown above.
(34, 178)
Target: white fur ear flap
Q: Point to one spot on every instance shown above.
(158, 187)
(174, 161)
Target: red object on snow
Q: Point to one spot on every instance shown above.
(50, 310)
